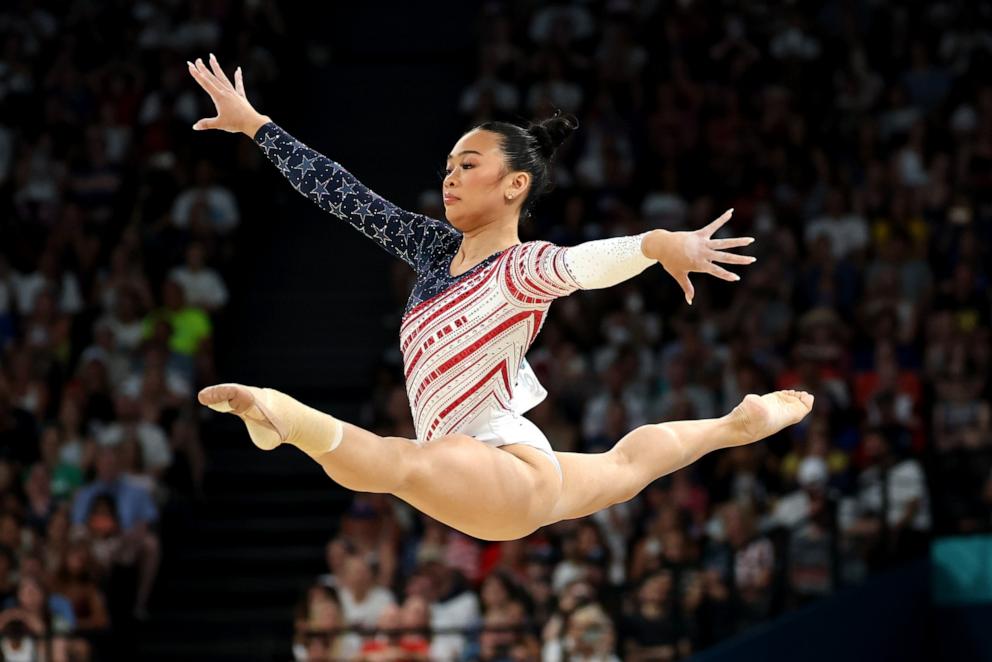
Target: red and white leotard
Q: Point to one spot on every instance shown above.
(463, 337)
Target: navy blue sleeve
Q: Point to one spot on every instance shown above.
(408, 236)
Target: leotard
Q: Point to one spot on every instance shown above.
(463, 338)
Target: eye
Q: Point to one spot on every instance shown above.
(466, 166)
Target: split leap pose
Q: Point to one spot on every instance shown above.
(479, 301)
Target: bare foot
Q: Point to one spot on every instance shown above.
(763, 416)
(249, 403)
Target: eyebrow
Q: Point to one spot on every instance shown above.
(465, 151)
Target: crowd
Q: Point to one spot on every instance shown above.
(116, 232)
(854, 141)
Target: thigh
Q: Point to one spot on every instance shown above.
(490, 493)
(591, 482)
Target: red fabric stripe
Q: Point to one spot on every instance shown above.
(454, 306)
(471, 349)
(501, 367)
(484, 274)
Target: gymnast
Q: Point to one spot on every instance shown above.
(479, 300)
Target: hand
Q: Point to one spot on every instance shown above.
(234, 113)
(683, 252)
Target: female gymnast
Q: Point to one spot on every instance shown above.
(480, 299)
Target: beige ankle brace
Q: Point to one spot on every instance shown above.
(310, 430)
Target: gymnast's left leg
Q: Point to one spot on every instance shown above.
(491, 493)
(593, 481)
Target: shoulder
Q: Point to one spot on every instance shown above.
(532, 250)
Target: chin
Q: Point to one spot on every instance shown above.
(457, 220)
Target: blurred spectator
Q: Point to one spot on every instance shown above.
(122, 514)
(202, 286)
(362, 602)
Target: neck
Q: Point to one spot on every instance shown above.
(481, 242)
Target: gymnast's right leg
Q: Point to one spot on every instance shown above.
(489, 493)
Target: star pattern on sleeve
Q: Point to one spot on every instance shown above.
(319, 189)
(305, 165)
(414, 238)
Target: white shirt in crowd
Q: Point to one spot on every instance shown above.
(29, 286)
(847, 233)
(906, 483)
(203, 288)
(366, 612)
(461, 611)
(155, 451)
(222, 208)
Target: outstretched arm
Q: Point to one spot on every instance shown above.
(325, 182)
(335, 190)
(549, 271)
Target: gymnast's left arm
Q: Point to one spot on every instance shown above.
(549, 271)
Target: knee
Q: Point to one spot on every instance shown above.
(630, 465)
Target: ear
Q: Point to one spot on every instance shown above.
(517, 185)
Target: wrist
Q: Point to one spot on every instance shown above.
(256, 123)
(657, 244)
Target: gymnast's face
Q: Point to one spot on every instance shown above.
(478, 186)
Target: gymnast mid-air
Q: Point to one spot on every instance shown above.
(479, 300)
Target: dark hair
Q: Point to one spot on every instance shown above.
(531, 149)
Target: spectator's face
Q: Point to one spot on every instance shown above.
(357, 575)
(673, 546)
(575, 594)
(494, 593)
(58, 525)
(336, 555)
(415, 613)
(875, 446)
(38, 481)
(107, 464)
(590, 631)
(50, 442)
(481, 182)
(30, 595)
(10, 532)
(389, 618)
(76, 560)
(420, 586)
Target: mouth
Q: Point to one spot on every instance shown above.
(448, 199)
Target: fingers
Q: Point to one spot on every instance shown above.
(209, 86)
(219, 73)
(731, 258)
(207, 123)
(208, 77)
(718, 223)
(683, 280)
(239, 83)
(736, 242)
(721, 273)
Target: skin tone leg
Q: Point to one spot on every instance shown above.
(506, 493)
(597, 481)
(509, 497)
(486, 492)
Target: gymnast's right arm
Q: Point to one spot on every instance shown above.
(325, 182)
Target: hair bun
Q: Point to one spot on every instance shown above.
(550, 133)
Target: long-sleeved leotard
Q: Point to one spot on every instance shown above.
(463, 337)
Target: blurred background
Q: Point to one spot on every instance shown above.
(141, 261)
